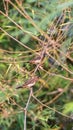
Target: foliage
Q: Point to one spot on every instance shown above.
(30, 29)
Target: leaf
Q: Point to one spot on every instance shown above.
(68, 108)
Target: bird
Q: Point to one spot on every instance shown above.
(42, 54)
(36, 60)
(29, 83)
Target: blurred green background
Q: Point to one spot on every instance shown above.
(25, 26)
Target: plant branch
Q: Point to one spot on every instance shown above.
(26, 108)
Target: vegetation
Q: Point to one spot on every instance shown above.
(36, 55)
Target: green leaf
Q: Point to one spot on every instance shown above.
(68, 108)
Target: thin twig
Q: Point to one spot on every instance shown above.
(25, 109)
(57, 75)
(63, 66)
(44, 105)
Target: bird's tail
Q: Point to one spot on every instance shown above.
(18, 87)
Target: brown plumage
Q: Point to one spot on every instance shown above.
(36, 60)
(39, 59)
(29, 83)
